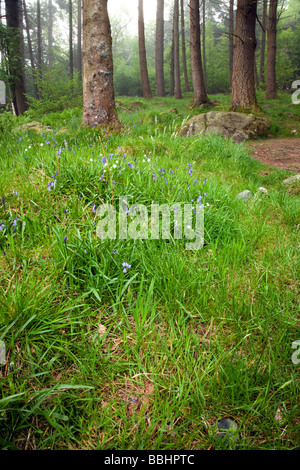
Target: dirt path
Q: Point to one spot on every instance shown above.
(280, 153)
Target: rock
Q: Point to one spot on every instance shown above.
(37, 127)
(239, 126)
(263, 190)
(245, 195)
(292, 179)
(227, 430)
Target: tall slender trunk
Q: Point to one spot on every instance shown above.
(142, 52)
(159, 49)
(39, 36)
(79, 38)
(172, 63)
(243, 79)
(263, 43)
(99, 107)
(200, 95)
(71, 55)
(178, 94)
(50, 33)
(185, 72)
(271, 92)
(14, 20)
(203, 41)
(231, 40)
(29, 43)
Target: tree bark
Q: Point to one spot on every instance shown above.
(172, 63)
(14, 20)
(79, 39)
(39, 36)
(243, 79)
(27, 26)
(185, 72)
(50, 33)
(200, 95)
(271, 92)
(71, 55)
(231, 39)
(98, 91)
(203, 41)
(263, 43)
(142, 52)
(178, 94)
(159, 49)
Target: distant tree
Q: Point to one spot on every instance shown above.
(79, 39)
(243, 79)
(39, 37)
(200, 95)
(14, 23)
(159, 49)
(50, 33)
(99, 107)
(71, 55)
(142, 52)
(178, 94)
(183, 48)
(263, 42)
(172, 59)
(271, 92)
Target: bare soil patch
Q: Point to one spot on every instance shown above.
(279, 153)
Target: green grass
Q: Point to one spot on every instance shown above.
(152, 358)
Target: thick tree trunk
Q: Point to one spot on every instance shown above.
(178, 94)
(263, 43)
(159, 49)
(98, 91)
(243, 79)
(142, 52)
(79, 39)
(203, 41)
(200, 95)
(14, 20)
(271, 92)
(71, 55)
(231, 39)
(183, 48)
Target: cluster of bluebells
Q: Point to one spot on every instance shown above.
(126, 266)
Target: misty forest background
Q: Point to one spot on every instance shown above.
(52, 51)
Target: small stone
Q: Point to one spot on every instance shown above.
(245, 195)
(263, 190)
(227, 429)
(292, 179)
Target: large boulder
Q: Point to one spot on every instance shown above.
(239, 126)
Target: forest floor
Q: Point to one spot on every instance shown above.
(283, 154)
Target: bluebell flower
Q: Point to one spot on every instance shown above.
(65, 239)
(126, 266)
(103, 160)
(15, 192)
(2, 225)
(114, 252)
(154, 176)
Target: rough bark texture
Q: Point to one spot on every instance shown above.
(203, 41)
(159, 49)
(178, 94)
(231, 39)
(271, 92)
(243, 79)
(200, 95)
(172, 68)
(263, 43)
(98, 91)
(183, 48)
(142, 52)
(14, 20)
(79, 39)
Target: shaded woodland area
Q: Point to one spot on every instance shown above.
(190, 46)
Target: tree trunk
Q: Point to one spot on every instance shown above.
(243, 80)
(50, 33)
(27, 26)
(172, 64)
(39, 36)
(79, 39)
(142, 52)
(71, 55)
(231, 39)
(178, 94)
(185, 72)
(159, 49)
(203, 41)
(263, 43)
(98, 90)
(14, 20)
(271, 92)
(200, 95)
